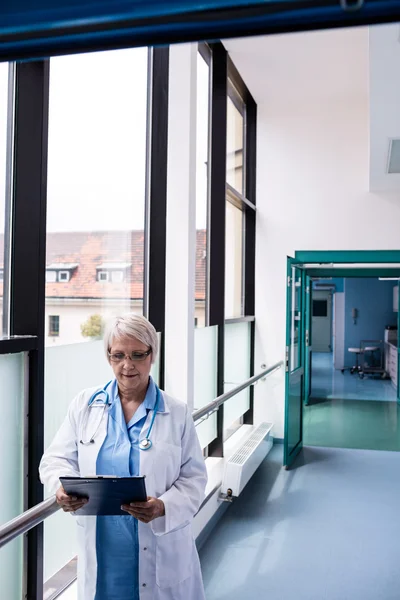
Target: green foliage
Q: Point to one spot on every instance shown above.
(93, 327)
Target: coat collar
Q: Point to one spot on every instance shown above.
(150, 398)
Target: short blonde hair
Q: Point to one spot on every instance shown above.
(132, 326)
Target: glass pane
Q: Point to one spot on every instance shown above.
(295, 347)
(233, 262)
(203, 90)
(205, 379)
(320, 308)
(96, 191)
(234, 141)
(12, 367)
(3, 158)
(237, 369)
(88, 364)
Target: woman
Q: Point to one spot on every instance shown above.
(149, 554)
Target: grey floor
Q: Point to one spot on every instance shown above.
(326, 530)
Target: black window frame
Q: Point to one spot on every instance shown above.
(25, 256)
(222, 70)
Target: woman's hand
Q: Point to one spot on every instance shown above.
(69, 503)
(145, 511)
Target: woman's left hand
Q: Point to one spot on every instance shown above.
(145, 511)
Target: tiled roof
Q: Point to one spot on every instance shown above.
(90, 250)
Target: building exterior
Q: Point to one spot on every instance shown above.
(92, 276)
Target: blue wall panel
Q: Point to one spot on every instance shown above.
(374, 301)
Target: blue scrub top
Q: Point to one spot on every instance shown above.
(117, 540)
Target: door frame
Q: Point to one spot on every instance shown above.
(294, 374)
(335, 263)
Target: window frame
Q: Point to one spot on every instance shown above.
(54, 331)
(64, 272)
(114, 273)
(27, 178)
(100, 273)
(222, 70)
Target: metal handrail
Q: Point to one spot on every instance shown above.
(34, 516)
(214, 404)
(27, 520)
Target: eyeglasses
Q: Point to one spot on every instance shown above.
(118, 357)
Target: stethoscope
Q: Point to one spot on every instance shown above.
(101, 398)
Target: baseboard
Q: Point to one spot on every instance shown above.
(278, 440)
(208, 529)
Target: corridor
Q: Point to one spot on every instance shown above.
(345, 411)
(327, 530)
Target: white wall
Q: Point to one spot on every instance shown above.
(312, 194)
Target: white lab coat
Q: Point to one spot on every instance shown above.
(169, 566)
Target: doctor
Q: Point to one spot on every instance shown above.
(124, 428)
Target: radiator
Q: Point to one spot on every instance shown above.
(240, 467)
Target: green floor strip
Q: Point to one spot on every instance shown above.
(365, 425)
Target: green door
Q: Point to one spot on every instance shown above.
(294, 392)
(307, 337)
(398, 340)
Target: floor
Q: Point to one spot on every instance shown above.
(348, 412)
(328, 382)
(326, 530)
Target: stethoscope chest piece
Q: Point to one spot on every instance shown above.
(145, 444)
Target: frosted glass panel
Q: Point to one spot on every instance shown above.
(12, 390)
(205, 379)
(68, 370)
(237, 369)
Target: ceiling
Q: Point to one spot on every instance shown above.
(337, 65)
(332, 63)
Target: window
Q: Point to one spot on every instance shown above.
(235, 137)
(202, 178)
(51, 276)
(117, 276)
(102, 276)
(234, 261)
(320, 308)
(63, 276)
(235, 204)
(95, 222)
(54, 325)
(96, 187)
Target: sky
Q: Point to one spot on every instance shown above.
(97, 141)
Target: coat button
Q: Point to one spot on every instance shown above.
(143, 584)
(144, 548)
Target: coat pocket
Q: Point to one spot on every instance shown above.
(174, 557)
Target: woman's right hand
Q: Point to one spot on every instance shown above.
(69, 503)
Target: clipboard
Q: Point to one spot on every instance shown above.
(105, 493)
